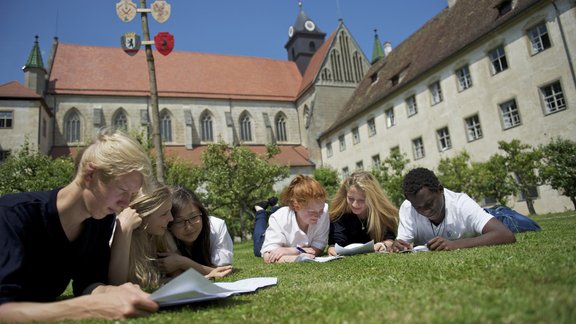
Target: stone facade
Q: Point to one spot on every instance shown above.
(507, 105)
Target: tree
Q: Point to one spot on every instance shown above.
(328, 177)
(30, 170)
(559, 167)
(236, 178)
(455, 173)
(523, 161)
(390, 174)
(490, 179)
(182, 173)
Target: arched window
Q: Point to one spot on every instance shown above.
(120, 121)
(281, 134)
(245, 128)
(72, 127)
(306, 116)
(312, 47)
(206, 127)
(166, 126)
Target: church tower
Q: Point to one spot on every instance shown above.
(34, 72)
(304, 39)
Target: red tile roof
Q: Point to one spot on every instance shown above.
(14, 89)
(94, 70)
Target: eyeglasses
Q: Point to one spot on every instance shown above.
(196, 218)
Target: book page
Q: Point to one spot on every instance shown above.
(191, 286)
(318, 259)
(355, 248)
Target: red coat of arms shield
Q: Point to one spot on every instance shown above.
(164, 42)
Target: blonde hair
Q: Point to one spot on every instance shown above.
(113, 154)
(382, 214)
(301, 190)
(144, 248)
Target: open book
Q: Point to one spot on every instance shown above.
(355, 248)
(304, 258)
(417, 248)
(191, 286)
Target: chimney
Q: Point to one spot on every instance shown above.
(387, 48)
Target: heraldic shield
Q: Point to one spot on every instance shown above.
(126, 10)
(164, 42)
(160, 10)
(130, 43)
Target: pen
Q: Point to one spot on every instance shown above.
(301, 250)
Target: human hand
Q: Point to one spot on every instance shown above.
(441, 244)
(220, 272)
(275, 255)
(121, 302)
(401, 246)
(169, 262)
(332, 251)
(380, 247)
(129, 219)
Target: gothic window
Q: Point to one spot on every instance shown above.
(245, 128)
(72, 127)
(281, 134)
(206, 128)
(165, 126)
(120, 121)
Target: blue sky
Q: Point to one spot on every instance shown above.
(248, 28)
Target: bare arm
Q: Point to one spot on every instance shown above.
(494, 232)
(127, 221)
(106, 302)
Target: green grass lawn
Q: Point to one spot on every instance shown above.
(533, 280)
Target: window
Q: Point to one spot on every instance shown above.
(329, 151)
(473, 128)
(395, 80)
(4, 155)
(510, 114)
(72, 127)
(553, 98)
(444, 142)
(355, 136)
(418, 147)
(306, 116)
(395, 150)
(390, 121)
(532, 192)
(342, 143)
(281, 134)
(44, 127)
(165, 126)
(375, 161)
(345, 172)
(360, 165)
(539, 38)
(206, 128)
(371, 127)
(411, 105)
(374, 77)
(498, 60)
(436, 92)
(504, 7)
(120, 121)
(6, 119)
(464, 78)
(245, 128)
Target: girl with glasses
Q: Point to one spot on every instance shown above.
(197, 240)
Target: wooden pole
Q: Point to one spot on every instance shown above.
(155, 116)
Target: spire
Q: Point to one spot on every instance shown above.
(378, 51)
(304, 23)
(35, 57)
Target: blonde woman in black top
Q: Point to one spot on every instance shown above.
(361, 212)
